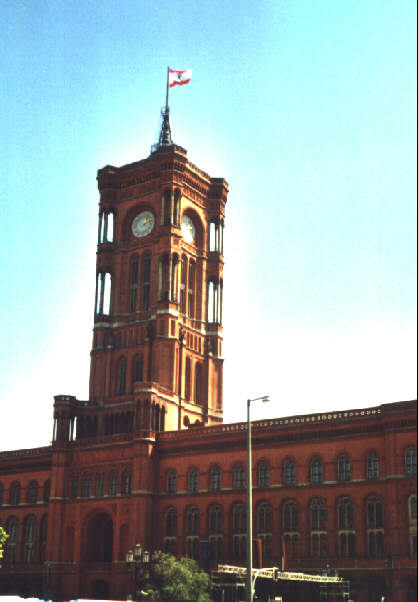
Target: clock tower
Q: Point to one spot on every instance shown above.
(156, 358)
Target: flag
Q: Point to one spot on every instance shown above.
(179, 78)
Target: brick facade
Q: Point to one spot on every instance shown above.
(147, 458)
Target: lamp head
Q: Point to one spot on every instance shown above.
(129, 557)
(265, 399)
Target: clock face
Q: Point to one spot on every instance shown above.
(143, 223)
(187, 229)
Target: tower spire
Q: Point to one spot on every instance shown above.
(165, 134)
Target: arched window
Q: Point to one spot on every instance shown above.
(43, 530)
(317, 470)
(176, 208)
(106, 226)
(32, 492)
(239, 517)
(183, 285)
(74, 487)
(29, 539)
(126, 482)
(193, 480)
(139, 369)
(344, 468)
(215, 478)
(100, 484)
(14, 494)
(412, 519)
(346, 531)
(191, 289)
(192, 521)
(411, 460)
(86, 486)
(215, 531)
(187, 378)
(133, 284)
(170, 531)
(264, 526)
(121, 382)
(290, 527)
(146, 282)
(290, 516)
(263, 474)
(375, 530)
(171, 481)
(12, 529)
(197, 383)
(47, 490)
(103, 293)
(239, 477)
(215, 519)
(113, 485)
(289, 472)
(174, 278)
(372, 466)
(318, 523)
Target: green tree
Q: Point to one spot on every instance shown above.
(3, 537)
(173, 580)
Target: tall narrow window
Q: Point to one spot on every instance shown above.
(375, 531)
(126, 482)
(100, 484)
(139, 369)
(32, 493)
(344, 468)
(264, 522)
(183, 285)
(47, 490)
(372, 466)
(317, 471)
(318, 520)
(289, 472)
(86, 486)
(188, 375)
(193, 480)
(190, 290)
(215, 478)
(239, 477)
(346, 531)
(176, 209)
(263, 474)
(170, 531)
(43, 531)
(174, 278)
(106, 227)
(74, 487)
(107, 293)
(192, 533)
(29, 540)
(411, 460)
(239, 517)
(215, 531)
(171, 481)
(121, 382)
(212, 236)
(133, 283)
(12, 529)
(14, 494)
(197, 383)
(290, 527)
(113, 485)
(146, 282)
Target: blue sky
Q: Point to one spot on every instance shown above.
(306, 108)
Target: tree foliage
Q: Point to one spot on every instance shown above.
(175, 580)
(3, 537)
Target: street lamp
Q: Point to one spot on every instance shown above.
(249, 587)
(140, 561)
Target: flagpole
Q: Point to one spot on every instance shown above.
(167, 88)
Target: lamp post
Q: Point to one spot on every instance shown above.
(140, 561)
(249, 584)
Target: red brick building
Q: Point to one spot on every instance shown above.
(147, 458)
